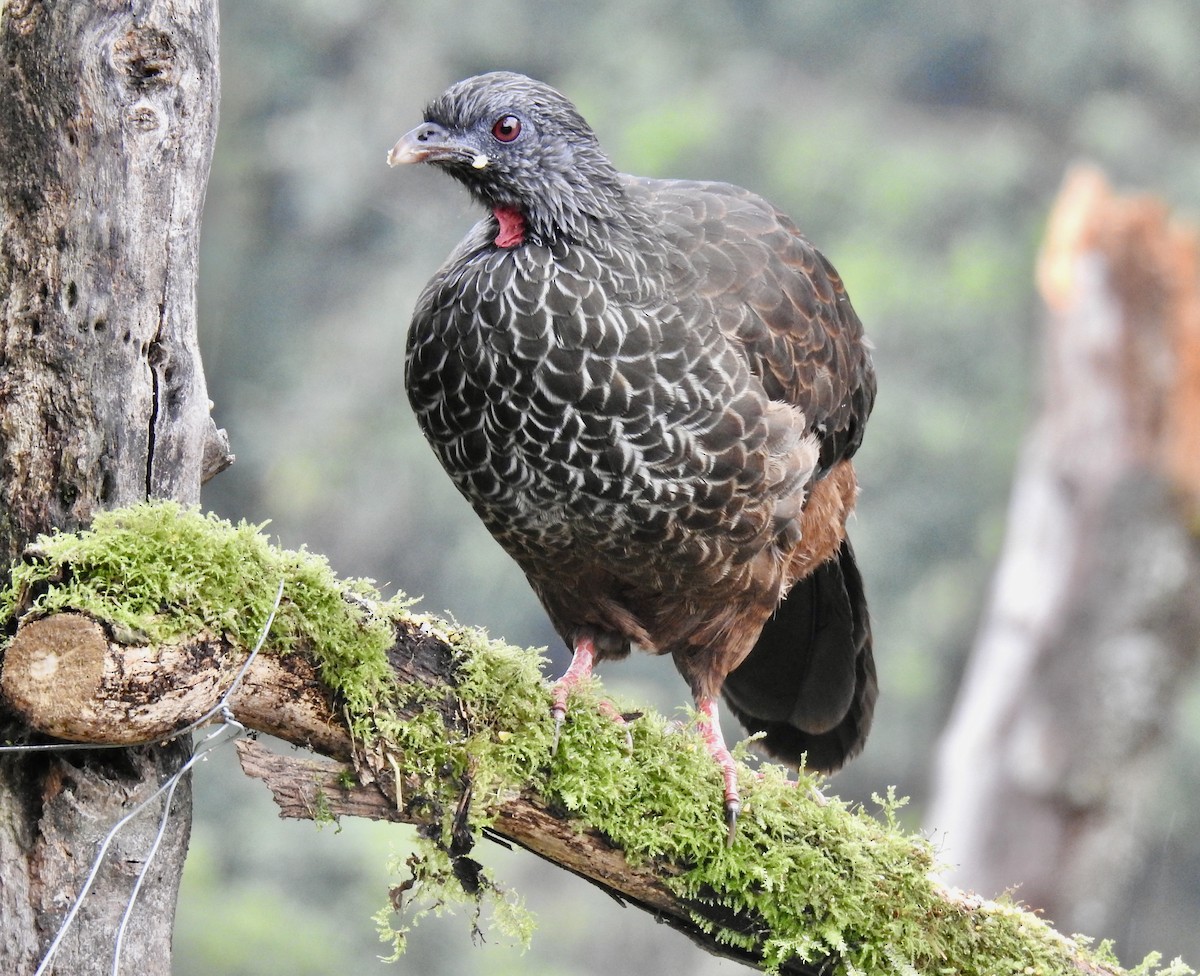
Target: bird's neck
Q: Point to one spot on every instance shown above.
(515, 227)
(574, 211)
(511, 226)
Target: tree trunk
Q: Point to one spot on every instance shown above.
(107, 123)
(1095, 612)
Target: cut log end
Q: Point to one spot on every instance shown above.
(54, 671)
(67, 679)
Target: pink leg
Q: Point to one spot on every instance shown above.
(710, 729)
(580, 669)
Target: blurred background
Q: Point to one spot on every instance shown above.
(919, 145)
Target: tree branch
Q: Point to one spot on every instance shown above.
(68, 678)
(70, 681)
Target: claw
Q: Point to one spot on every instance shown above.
(609, 710)
(732, 809)
(559, 713)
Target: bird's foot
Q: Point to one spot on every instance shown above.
(582, 659)
(714, 742)
(609, 710)
(581, 668)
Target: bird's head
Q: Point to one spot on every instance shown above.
(521, 148)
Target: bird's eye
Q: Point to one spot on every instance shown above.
(507, 128)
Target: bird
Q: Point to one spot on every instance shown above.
(650, 391)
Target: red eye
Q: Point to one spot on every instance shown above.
(507, 128)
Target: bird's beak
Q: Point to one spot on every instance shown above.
(427, 142)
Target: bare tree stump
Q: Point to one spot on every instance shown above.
(107, 122)
(1094, 617)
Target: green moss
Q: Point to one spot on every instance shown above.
(813, 877)
(322, 815)
(805, 878)
(158, 572)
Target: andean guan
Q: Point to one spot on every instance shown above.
(650, 391)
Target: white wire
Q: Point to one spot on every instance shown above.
(207, 744)
(229, 730)
(98, 860)
(223, 702)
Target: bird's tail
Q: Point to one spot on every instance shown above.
(809, 683)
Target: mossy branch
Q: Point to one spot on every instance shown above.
(132, 630)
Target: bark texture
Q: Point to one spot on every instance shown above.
(107, 123)
(1095, 611)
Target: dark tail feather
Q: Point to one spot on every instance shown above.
(809, 683)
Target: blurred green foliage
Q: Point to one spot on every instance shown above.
(919, 145)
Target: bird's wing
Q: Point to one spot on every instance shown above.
(777, 297)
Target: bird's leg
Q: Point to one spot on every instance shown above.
(582, 659)
(714, 741)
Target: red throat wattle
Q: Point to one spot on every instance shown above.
(512, 227)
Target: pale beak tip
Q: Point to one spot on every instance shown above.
(399, 154)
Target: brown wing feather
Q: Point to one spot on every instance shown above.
(778, 297)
